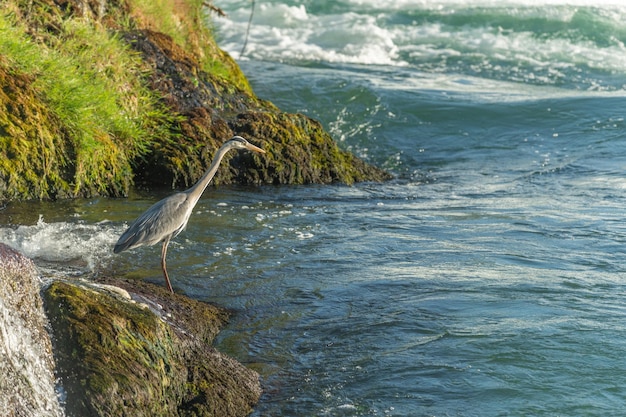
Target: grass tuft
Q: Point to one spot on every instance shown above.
(93, 86)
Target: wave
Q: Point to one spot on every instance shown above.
(287, 33)
(73, 249)
(577, 45)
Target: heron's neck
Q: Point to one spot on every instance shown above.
(198, 188)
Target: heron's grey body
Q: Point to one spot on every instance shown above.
(167, 218)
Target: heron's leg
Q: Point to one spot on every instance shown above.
(163, 253)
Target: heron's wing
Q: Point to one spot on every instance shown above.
(165, 218)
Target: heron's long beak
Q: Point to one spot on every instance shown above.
(251, 147)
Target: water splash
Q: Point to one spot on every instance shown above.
(573, 45)
(290, 33)
(27, 385)
(76, 249)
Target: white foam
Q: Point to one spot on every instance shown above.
(25, 364)
(362, 33)
(78, 247)
(439, 4)
(289, 33)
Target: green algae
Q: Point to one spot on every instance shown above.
(117, 358)
(300, 151)
(32, 162)
(109, 351)
(185, 22)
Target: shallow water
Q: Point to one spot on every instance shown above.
(487, 279)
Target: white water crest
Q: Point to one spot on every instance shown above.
(75, 248)
(290, 33)
(27, 382)
(578, 45)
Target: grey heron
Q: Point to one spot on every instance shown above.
(168, 217)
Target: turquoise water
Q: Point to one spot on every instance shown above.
(486, 279)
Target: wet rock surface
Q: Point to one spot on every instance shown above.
(133, 348)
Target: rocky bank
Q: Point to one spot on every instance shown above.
(101, 95)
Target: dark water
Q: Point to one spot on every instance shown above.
(487, 279)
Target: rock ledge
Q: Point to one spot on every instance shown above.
(149, 355)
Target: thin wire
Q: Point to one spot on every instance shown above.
(245, 42)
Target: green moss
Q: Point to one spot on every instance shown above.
(121, 355)
(300, 151)
(32, 161)
(117, 358)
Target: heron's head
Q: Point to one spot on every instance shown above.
(237, 142)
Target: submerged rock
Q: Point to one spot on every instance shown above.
(27, 382)
(142, 351)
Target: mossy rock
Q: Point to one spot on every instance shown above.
(33, 162)
(151, 357)
(299, 150)
(96, 96)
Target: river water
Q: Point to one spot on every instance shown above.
(487, 279)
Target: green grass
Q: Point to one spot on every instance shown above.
(93, 83)
(87, 115)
